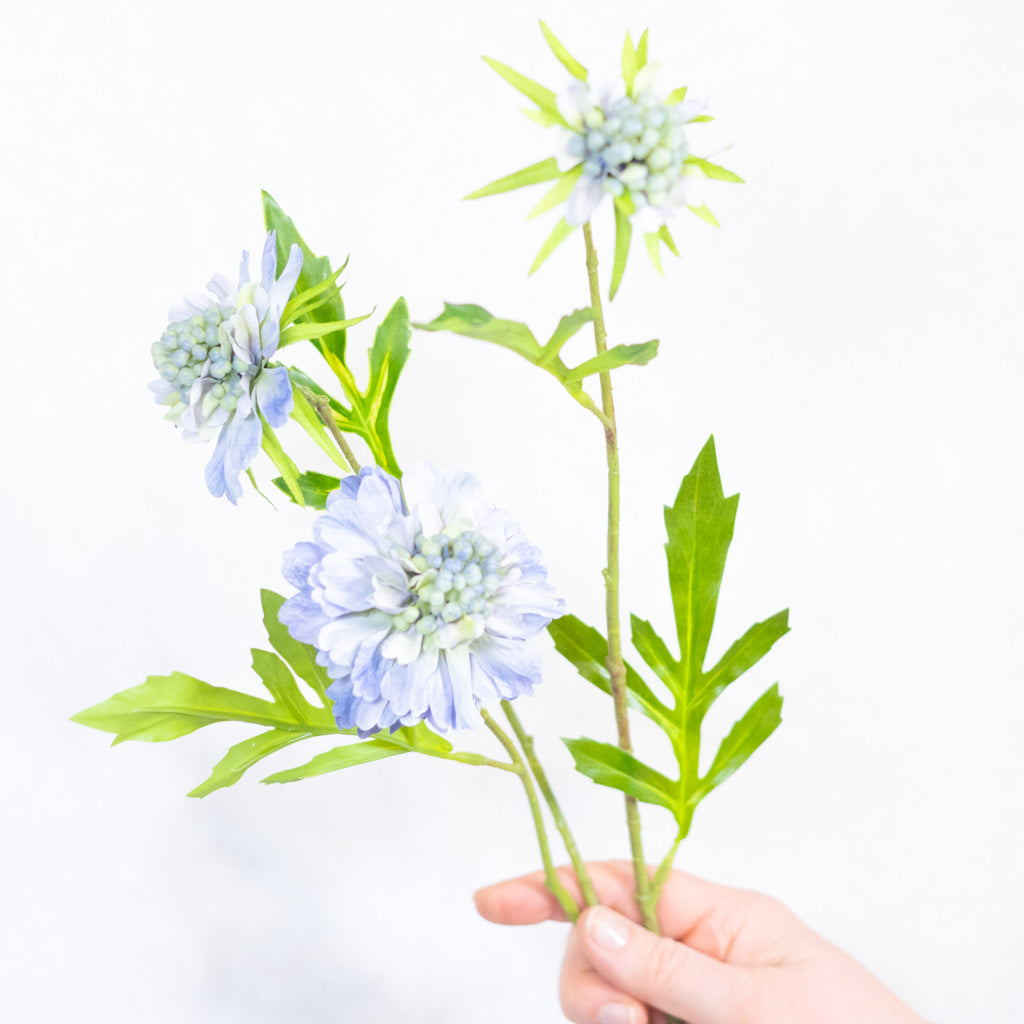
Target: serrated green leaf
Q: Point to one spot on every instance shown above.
(623, 235)
(705, 215)
(562, 230)
(388, 356)
(713, 170)
(315, 270)
(300, 657)
(315, 488)
(700, 525)
(607, 765)
(338, 758)
(242, 756)
(278, 679)
(742, 655)
(587, 650)
(473, 321)
(561, 191)
(535, 174)
(619, 355)
(653, 241)
(760, 721)
(182, 700)
(567, 327)
(573, 66)
(544, 98)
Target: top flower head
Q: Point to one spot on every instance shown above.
(617, 139)
(212, 359)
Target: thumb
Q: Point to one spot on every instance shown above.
(662, 972)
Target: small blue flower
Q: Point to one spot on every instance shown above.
(212, 359)
(421, 600)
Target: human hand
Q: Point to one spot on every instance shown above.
(727, 956)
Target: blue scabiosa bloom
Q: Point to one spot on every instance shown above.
(421, 599)
(212, 360)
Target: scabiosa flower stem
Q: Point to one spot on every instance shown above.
(616, 664)
(579, 865)
(321, 405)
(551, 880)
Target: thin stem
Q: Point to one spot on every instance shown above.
(567, 903)
(526, 742)
(615, 663)
(661, 875)
(322, 406)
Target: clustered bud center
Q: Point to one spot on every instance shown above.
(636, 146)
(201, 347)
(452, 577)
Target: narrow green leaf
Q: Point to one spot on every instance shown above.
(653, 650)
(587, 651)
(387, 358)
(573, 66)
(742, 655)
(315, 488)
(315, 270)
(277, 678)
(666, 237)
(700, 525)
(300, 657)
(676, 95)
(567, 327)
(607, 765)
(304, 332)
(619, 355)
(760, 721)
(702, 118)
(475, 322)
(544, 98)
(535, 174)
(563, 187)
(653, 240)
(307, 418)
(542, 117)
(713, 170)
(561, 232)
(705, 214)
(623, 235)
(630, 65)
(339, 757)
(242, 756)
(135, 713)
(641, 51)
(282, 463)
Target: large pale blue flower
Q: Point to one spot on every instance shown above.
(212, 359)
(421, 599)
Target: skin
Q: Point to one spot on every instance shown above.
(727, 956)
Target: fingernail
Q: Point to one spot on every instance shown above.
(616, 1013)
(605, 929)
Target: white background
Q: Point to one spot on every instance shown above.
(851, 336)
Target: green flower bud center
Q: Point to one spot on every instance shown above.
(456, 577)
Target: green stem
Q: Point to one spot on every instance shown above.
(526, 742)
(565, 900)
(616, 665)
(322, 406)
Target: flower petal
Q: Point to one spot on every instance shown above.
(274, 397)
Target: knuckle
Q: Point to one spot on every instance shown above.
(666, 964)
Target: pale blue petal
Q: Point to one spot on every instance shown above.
(274, 398)
(269, 261)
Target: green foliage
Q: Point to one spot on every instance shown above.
(167, 707)
(699, 524)
(544, 98)
(314, 488)
(316, 270)
(559, 233)
(535, 174)
(713, 170)
(475, 322)
(573, 66)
